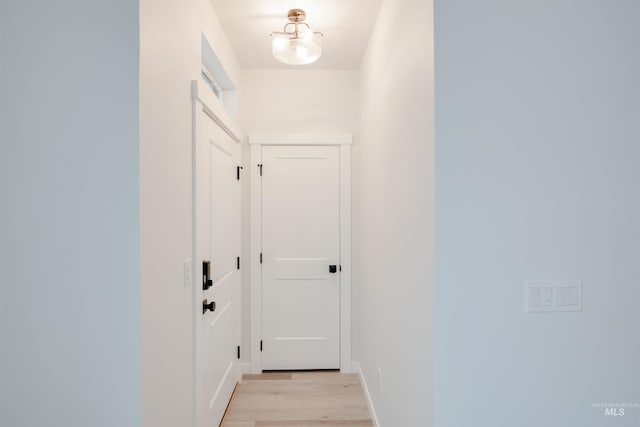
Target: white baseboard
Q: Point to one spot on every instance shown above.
(372, 412)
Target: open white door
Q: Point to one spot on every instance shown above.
(216, 241)
(301, 257)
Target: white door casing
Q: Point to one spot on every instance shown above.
(216, 156)
(300, 219)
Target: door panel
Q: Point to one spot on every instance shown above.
(300, 239)
(217, 239)
(300, 269)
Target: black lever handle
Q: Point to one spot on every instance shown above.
(211, 306)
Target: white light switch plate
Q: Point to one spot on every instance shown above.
(548, 296)
(188, 272)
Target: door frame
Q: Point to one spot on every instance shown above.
(204, 101)
(256, 142)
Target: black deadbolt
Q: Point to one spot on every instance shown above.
(333, 268)
(211, 306)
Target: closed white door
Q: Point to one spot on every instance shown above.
(300, 257)
(216, 291)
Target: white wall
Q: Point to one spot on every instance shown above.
(394, 214)
(290, 102)
(170, 58)
(69, 259)
(537, 178)
(298, 101)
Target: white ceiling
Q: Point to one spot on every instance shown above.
(346, 25)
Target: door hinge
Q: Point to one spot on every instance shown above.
(238, 263)
(260, 167)
(260, 257)
(238, 352)
(260, 345)
(238, 172)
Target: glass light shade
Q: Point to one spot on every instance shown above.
(298, 51)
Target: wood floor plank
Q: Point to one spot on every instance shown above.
(238, 424)
(342, 423)
(304, 399)
(268, 376)
(325, 376)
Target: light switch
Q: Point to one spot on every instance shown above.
(572, 297)
(549, 296)
(535, 297)
(561, 296)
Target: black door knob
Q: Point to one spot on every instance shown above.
(333, 268)
(211, 306)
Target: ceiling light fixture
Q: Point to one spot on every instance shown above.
(300, 46)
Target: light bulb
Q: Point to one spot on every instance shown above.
(298, 46)
(296, 51)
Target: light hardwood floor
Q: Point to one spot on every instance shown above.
(298, 399)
